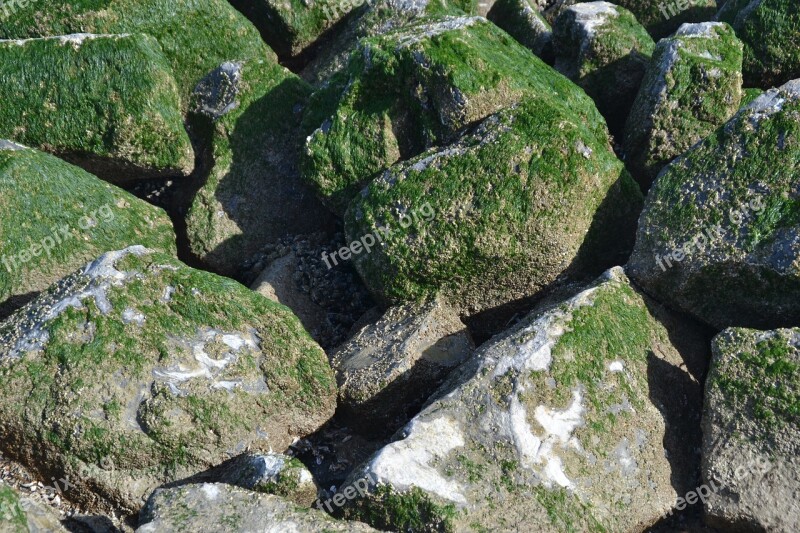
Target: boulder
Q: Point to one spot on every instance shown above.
(693, 85)
(525, 23)
(769, 30)
(22, 514)
(602, 48)
(719, 235)
(55, 217)
(751, 431)
(232, 510)
(582, 417)
(137, 370)
(108, 103)
(390, 368)
(663, 17)
(247, 116)
(530, 196)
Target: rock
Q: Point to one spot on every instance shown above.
(661, 18)
(256, 134)
(531, 196)
(231, 509)
(55, 217)
(21, 514)
(525, 24)
(748, 95)
(416, 87)
(771, 39)
(719, 235)
(194, 36)
(270, 473)
(390, 368)
(693, 85)
(582, 417)
(107, 103)
(603, 49)
(138, 370)
(751, 424)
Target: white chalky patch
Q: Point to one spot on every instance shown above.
(75, 39)
(700, 29)
(132, 316)
(426, 31)
(616, 366)
(407, 462)
(210, 491)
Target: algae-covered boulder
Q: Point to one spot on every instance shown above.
(105, 102)
(580, 418)
(692, 86)
(530, 195)
(138, 370)
(770, 30)
(55, 217)
(719, 236)
(232, 510)
(246, 113)
(662, 17)
(602, 48)
(751, 431)
(23, 514)
(415, 87)
(526, 24)
(195, 36)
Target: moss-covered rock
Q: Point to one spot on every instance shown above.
(416, 87)
(231, 510)
(751, 431)
(23, 514)
(105, 102)
(247, 114)
(525, 24)
(718, 237)
(564, 423)
(195, 36)
(770, 30)
(55, 217)
(603, 49)
(662, 17)
(138, 370)
(530, 195)
(693, 85)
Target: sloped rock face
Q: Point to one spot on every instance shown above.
(414, 88)
(106, 102)
(718, 237)
(390, 368)
(253, 194)
(20, 514)
(602, 48)
(693, 85)
(194, 36)
(768, 29)
(526, 24)
(138, 370)
(560, 423)
(55, 217)
(751, 441)
(529, 195)
(231, 509)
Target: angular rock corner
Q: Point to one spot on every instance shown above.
(583, 415)
(138, 370)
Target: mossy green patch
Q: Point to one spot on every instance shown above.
(411, 510)
(12, 516)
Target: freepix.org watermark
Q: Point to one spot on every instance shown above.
(674, 8)
(707, 234)
(358, 488)
(367, 242)
(10, 7)
(57, 237)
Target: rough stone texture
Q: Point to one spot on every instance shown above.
(770, 30)
(105, 102)
(524, 23)
(727, 214)
(603, 49)
(416, 87)
(530, 196)
(55, 217)
(662, 17)
(751, 431)
(692, 86)
(232, 510)
(390, 368)
(253, 193)
(194, 36)
(583, 417)
(20, 514)
(138, 370)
